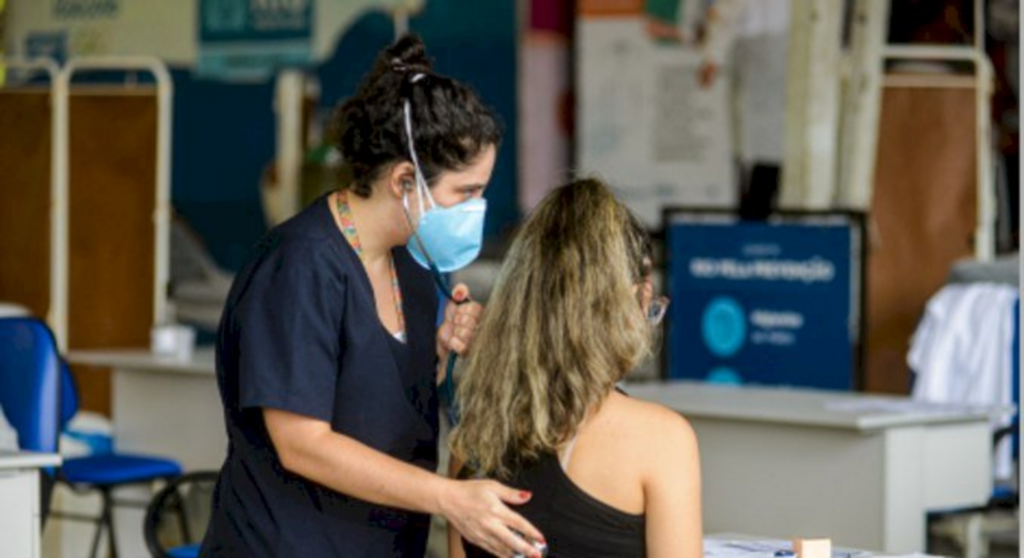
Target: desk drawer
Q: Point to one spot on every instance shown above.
(19, 513)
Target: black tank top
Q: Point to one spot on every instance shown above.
(576, 524)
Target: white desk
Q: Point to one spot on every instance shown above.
(20, 520)
(861, 469)
(164, 406)
(161, 406)
(768, 545)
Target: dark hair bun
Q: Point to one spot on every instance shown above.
(409, 54)
(451, 126)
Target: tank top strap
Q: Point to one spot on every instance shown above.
(567, 452)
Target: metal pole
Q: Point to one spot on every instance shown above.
(862, 102)
(984, 237)
(400, 16)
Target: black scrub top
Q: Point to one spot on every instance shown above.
(300, 333)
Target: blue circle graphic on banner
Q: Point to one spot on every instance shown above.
(724, 326)
(723, 375)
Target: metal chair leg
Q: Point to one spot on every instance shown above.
(102, 521)
(108, 507)
(105, 521)
(186, 531)
(96, 537)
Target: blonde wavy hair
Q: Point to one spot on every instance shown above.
(562, 326)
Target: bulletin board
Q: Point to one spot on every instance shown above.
(643, 123)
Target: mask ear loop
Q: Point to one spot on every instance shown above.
(424, 191)
(421, 181)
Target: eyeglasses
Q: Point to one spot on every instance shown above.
(656, 311)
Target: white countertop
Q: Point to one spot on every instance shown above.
(27, 460)
(803, 407)
(796, 406)
(203, 361)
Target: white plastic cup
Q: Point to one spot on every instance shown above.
(173, 340)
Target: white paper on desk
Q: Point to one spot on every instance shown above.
(718, 548)
(724, 548)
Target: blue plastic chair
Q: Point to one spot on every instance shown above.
(29, 377)
(105, 472)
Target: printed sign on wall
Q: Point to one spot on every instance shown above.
(85, 9)
(249, 39)
(173, 30)
(764, 303)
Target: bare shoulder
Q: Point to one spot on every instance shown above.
(656, 430)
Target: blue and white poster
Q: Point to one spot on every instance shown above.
(249, 39)
(772, 303)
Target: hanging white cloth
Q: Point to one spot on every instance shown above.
(764, 17)
(727, 20)
(962, 352)
(754, 36)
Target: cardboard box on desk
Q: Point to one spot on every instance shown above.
(812, 548)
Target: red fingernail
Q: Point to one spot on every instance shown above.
(524, 494)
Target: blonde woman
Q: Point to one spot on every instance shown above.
(573, 311)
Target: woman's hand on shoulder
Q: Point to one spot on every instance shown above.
(478, 510)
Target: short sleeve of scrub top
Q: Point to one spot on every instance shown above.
(289, 325)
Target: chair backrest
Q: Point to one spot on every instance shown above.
(29, 382)
(177, 516)
(68, 395)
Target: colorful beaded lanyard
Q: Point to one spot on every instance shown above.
(348, 228)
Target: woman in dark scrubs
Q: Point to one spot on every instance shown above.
(329, 351)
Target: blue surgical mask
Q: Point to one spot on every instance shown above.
(448, 237)
(445, 238)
